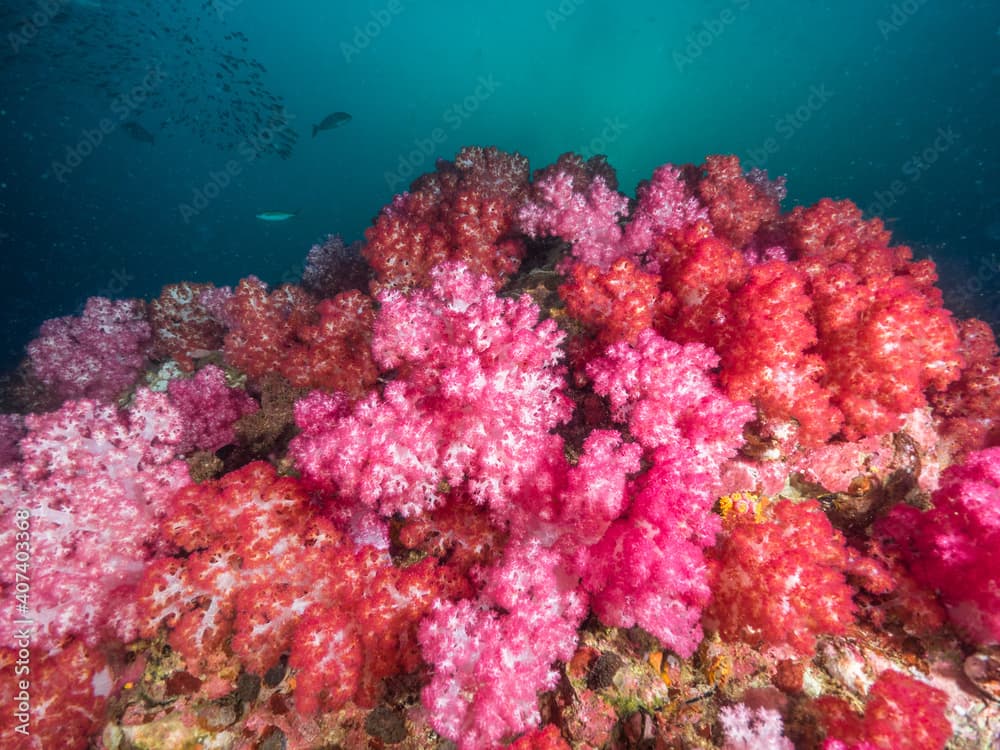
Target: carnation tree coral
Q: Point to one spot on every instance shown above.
(458, 515)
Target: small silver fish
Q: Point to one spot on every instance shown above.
(276, 215)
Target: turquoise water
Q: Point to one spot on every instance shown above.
(892, 104)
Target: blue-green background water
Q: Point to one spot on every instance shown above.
(892, 104)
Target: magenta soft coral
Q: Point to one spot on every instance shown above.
(477, 389)
(649, 568)
(665, 393)
(578, 202)
(95, 355)
(96, 482)
(585, 212)
(209, 408)
(492, 656)
(949, 548)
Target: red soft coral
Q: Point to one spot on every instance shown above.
(260, 574)
(901, 713)
(781, 582)
(970, 407)
(615, 305)
(60, 702)
(737, 206)
(462, 212)
(183, 327)
(767, 357)
(884, 344)
(313, 345)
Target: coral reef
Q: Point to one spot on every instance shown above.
(537, 465)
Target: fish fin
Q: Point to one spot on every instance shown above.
(315, 130)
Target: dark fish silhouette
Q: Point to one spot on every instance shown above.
(138, 132)
(331, 121)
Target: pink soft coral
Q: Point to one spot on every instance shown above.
(584, 213)
(210, 409)
(664, 391)
(753, 729)
(492, 657)
(649, 567)
(477, 390)
(94, 482)
(949, 547)
(96, 355)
